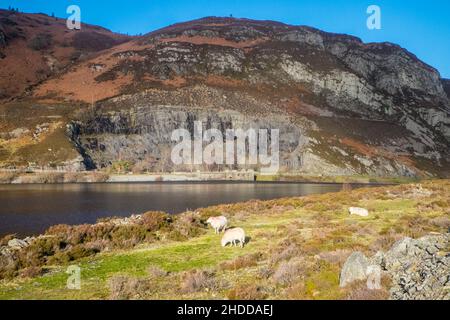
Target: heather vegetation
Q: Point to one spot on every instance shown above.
(296, 249)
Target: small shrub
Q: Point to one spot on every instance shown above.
(4, 241)
(59, 229)
(186, 225)
(7, 177)
(72, 254)
(126, 288)
(120, 167)
(41, 41)
(441, 222)
(337, 257)
(98, 177)
(265, 272)
(414, 226)
(144, 166)
(157, 272)
(385, 241)
(74, 177)
(198, 280)
(359, 291)
(31, 272)
(128, 236)
(297, 291)
(246, 292)
(284, 252)
(247, 261)
(38, 253)
(46, 178)
(155, 221)
(288, 272)
(9, 265)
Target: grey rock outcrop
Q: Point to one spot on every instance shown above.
(446, 86)
(354, 269)
(146, 132)
(375, 80)
(419, 268)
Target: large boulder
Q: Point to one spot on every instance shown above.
(355, 268)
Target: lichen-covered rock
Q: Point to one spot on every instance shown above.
(354, 269)
(419, 268)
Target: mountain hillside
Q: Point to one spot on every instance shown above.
(343, 107)
(35, 46)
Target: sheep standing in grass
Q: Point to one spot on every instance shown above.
(218, 223)
(233, 236)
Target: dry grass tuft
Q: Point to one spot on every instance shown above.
(284, 252)
(157, 272)
(441, 222)
(289, 272)
(198, 280)
(359, 291)
(337, 257)
(31, 272)
(126, 288)
(247, 261)
(246, 292)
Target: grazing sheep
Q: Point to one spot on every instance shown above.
(358, 212)
(233, 236)
(218, 223)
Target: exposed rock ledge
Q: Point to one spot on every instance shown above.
(419, 269)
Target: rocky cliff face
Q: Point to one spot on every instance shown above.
(446, 86)
(143, 136)
(359, 108)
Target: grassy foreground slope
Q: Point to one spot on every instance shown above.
(296, 249)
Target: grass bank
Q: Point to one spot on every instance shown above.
(296, 249)
(335, 179)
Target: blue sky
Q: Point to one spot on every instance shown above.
(422, 27)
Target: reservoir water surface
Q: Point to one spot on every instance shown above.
(31, 209)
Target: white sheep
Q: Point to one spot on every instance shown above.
(233, 236)
(218, 223)
(358, 212)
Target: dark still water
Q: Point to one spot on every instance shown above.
(31, 209)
